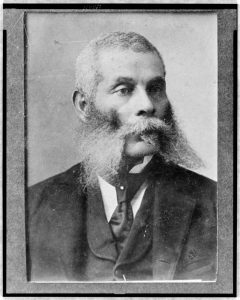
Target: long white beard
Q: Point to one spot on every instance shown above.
(100, 152)
(101, 148)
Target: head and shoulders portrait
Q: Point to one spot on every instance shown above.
(133, 207)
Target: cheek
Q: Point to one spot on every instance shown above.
(102, 104)
(107, 103)
(125, 112)
(162, 107)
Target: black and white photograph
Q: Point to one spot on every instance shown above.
(128, 203)
(121, 148)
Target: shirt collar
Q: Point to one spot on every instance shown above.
(139, 167)
(108, 191)
(109, 197)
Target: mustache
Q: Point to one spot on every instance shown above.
(143, 125)
(146, 126)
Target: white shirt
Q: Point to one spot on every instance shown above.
(109, 194)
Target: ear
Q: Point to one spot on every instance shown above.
(81, 105)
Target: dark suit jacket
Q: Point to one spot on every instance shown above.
(178, 223)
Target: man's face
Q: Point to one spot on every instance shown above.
(133, 87)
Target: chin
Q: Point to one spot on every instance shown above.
(139, 149)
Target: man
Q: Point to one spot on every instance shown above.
(128, 211)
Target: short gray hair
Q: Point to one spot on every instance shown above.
(87, 71)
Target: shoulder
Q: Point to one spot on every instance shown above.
(185, 180)
(194, 181)
(197, 189)
(55, 223)
(201, 189)
(55, 189)
(204, 192)
(64, 178)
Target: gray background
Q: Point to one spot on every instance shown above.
(17, 159)
(188, 44)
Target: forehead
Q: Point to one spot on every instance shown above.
(139, 66)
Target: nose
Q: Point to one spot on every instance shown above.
(144, 104)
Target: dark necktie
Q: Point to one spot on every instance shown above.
(122, 217)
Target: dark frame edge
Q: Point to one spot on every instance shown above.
(117, 5)
(4, 164)
(4, 158)
(25, 41)
(235, 124)
(117, 295)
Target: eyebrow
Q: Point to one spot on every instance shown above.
(157, 80)
(122, 80)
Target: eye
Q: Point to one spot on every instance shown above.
(155, 89)
(123, 91)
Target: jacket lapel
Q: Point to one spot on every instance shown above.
(99, 235)
(172, 216)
